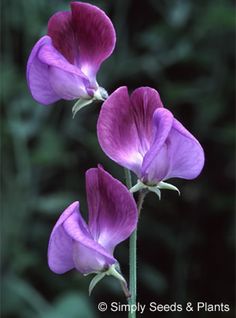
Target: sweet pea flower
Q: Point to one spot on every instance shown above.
(141, 135)
(63, 64)
(89, 247)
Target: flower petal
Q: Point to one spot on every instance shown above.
(185, 153)
(71, 245)
(52, 57)
(67, 85)
(38, 76)
(174, 152)
(66, 79)
(85, 36)
(125, 126)
(88, 255)
(144, 101)
(60, 246)
(156, 161)
(112, 210)
(61, 31)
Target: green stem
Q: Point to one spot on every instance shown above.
(133, 250)
(133, 272)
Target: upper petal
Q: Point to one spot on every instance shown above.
(38, 76)
(125, 125)
(117, 132)
(85, 36)
(156, 161)
(61, 31)
(112, 210)
(185, 153)
(145, 101)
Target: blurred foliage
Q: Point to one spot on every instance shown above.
(183, 48)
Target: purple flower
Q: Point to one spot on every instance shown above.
(89, 248)
(140, 134)
(64, 63)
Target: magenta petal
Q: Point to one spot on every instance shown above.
(185, 153)
(60, 248)
(125, 126)
(61, 31)
(117, 133)
(38, 76)
(85, 37)
(156, 161)
(96, 36)
(144, 101)
(112, 210)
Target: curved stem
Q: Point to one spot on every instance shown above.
(133, 250)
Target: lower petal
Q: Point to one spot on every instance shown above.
(87, 261)
(88, 255)
(158, 167)
(185, 152)
(71, 245)
(60, 248)
(38, 76)
(156, 161)
(67, 85)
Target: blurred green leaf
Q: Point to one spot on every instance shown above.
(71, 305)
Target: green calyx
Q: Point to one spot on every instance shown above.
(114, 271)
(99, 95)
(154, 188)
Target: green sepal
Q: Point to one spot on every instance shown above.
(167, 186)
(100, 94)
(113, 270)
(81, 103)
(154, 188)
(137, 187)
(95, 280)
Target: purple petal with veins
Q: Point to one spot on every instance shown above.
(112, 218)
(64, 64)
(140, 134)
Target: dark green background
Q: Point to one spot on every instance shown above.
(184, 49)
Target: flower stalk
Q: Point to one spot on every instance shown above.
(133, 249)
